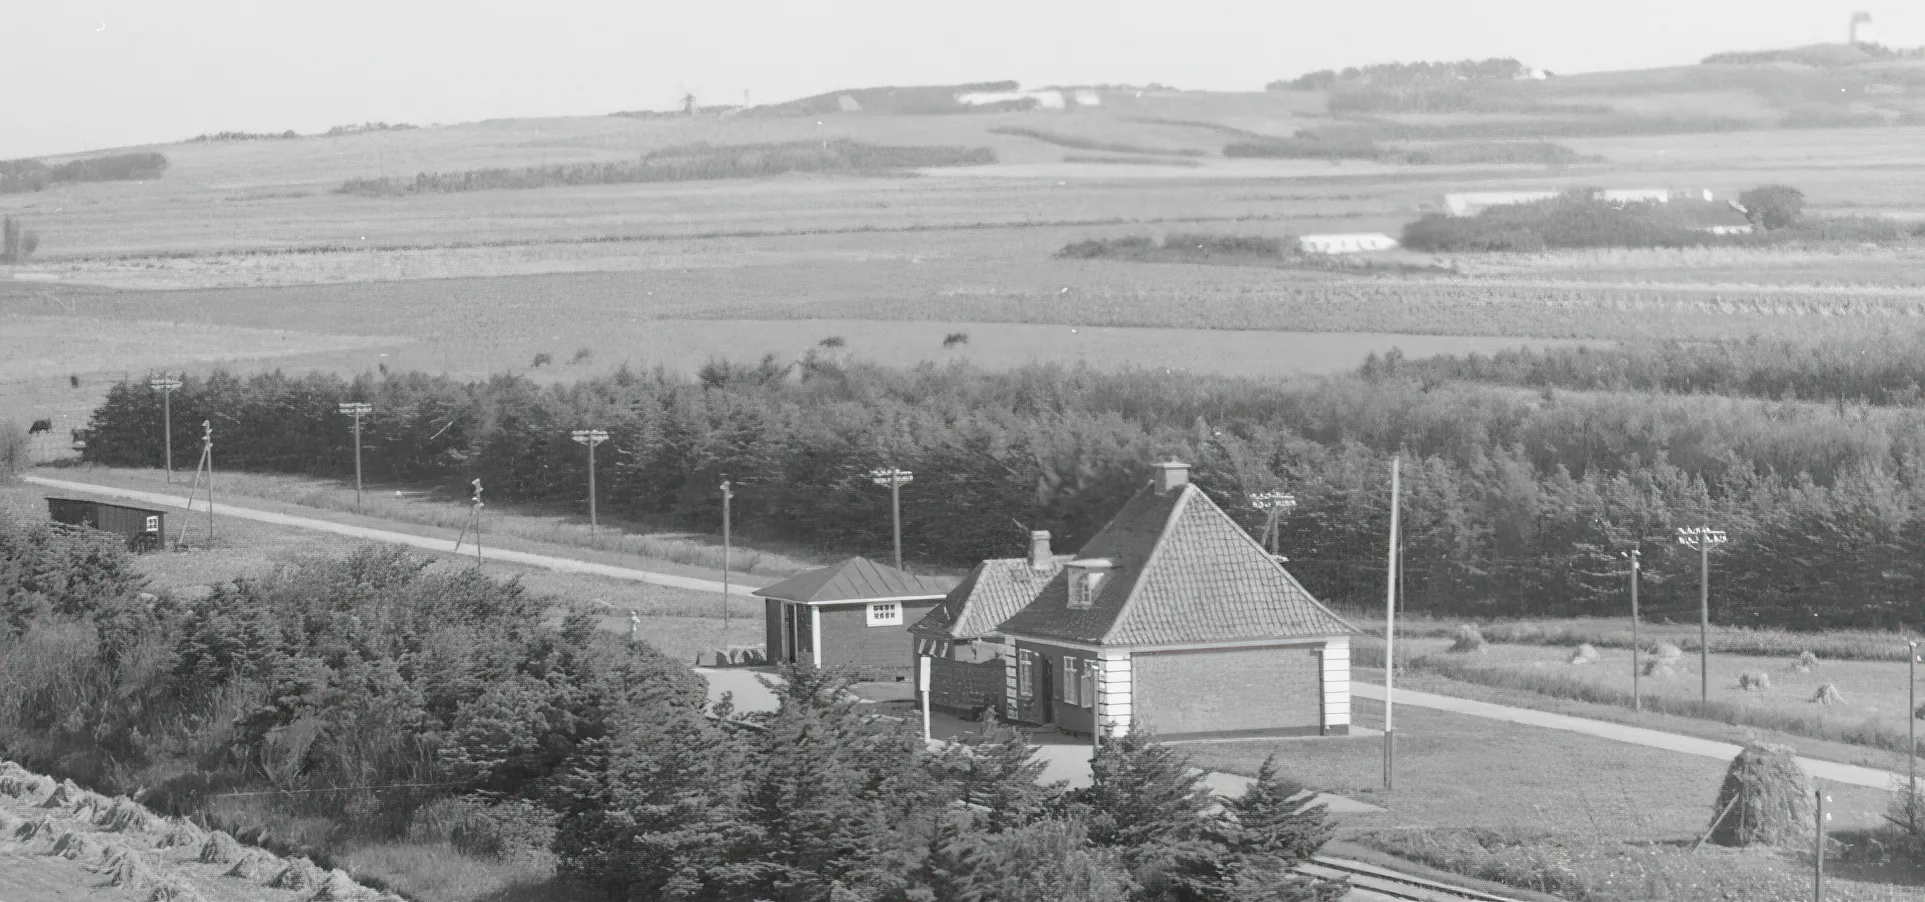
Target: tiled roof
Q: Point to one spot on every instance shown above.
(1184, 572)
(990, 594)
(855, 579)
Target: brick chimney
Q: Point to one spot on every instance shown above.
(1039, 556)
(1170, 476)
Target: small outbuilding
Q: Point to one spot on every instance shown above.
(1174, 617)
(144, 529)
(852, 613)
(1346, 244)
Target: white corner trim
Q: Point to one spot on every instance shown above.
(815, 636)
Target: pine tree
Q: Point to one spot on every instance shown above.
(1273, 826)
(1142, 792)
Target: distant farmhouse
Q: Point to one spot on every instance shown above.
(1346, 244)
(1172, 617)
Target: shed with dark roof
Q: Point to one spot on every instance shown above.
(1174, 617)
(855, 612)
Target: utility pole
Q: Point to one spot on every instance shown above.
(357, 410)
(728, 494)
(1274, 505)
(1390, 630)
(1818, 852)
(1911, 737)
(895, 478)
(591, 438)
(166, 385)
(1702, 538)
(1637, 700)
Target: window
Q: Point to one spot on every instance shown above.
(885, 614)
(1072, 682)
(1085, 579)
(1089, 684)
(153, 524)
(1025, 674)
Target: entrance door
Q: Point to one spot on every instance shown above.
(790, 632)
(1034, 685)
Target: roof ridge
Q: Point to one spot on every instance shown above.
(1149, 560)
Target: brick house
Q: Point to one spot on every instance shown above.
(855, 612)
(1174, 617)
(966, 668)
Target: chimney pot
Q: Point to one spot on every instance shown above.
(1039, 556)
(1171, 475)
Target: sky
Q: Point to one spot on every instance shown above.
(95, 74)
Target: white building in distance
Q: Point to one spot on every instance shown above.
(1356, 243)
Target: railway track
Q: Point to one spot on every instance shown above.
(1393, 884)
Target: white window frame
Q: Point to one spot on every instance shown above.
(1025, 675)
(153, 524)
(1072, 682)
(885, 613)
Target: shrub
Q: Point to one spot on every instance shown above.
(1773, 206)
(1467, 639)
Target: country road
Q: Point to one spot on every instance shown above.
(549, 562)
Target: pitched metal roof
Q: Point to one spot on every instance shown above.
(854, 579)
(1185, 572)
(990, 594)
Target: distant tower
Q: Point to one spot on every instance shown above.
(1861, 28)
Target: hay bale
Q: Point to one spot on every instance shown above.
(74, 845)
(1773, 804)
(1665, 651)
(1754, 681)
(254, 864)
(1661, 670)
(299, 874)
(1828, 695)
(1586, 654)
(1806, 663)
(1467, 639)
(220, 848)
(127, 816)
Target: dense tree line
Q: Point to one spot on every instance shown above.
(369, 691)
(1397, 74)
(1882, 369)
(18, 176)
(1517, 501)
(687, 163)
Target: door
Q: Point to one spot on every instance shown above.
(789, 631)
(1034, 686)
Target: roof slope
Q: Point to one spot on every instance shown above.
(1184, 572)
(989, 595)
(854, 579)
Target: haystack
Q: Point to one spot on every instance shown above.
(1806, 663)
(24, 786)
(74, 845)
(29, 831)
(127, 816)
(1754, 681)
(1586, 654)
(254, 864)
(1660, 670)
(220, 848)
(1828, 695)
(1665, 651)
(128, 869)
(63, 796)
(1773, 799)
(181, 832)
(300, 873)
(339, 887)
(172, 891)
(1468, 640)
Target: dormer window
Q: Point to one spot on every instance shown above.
(1085, 581)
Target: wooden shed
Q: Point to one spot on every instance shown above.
(144, 529)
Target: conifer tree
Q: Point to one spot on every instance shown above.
(1142, 792)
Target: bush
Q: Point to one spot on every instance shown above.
(1572, 220)
(1773, 206)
